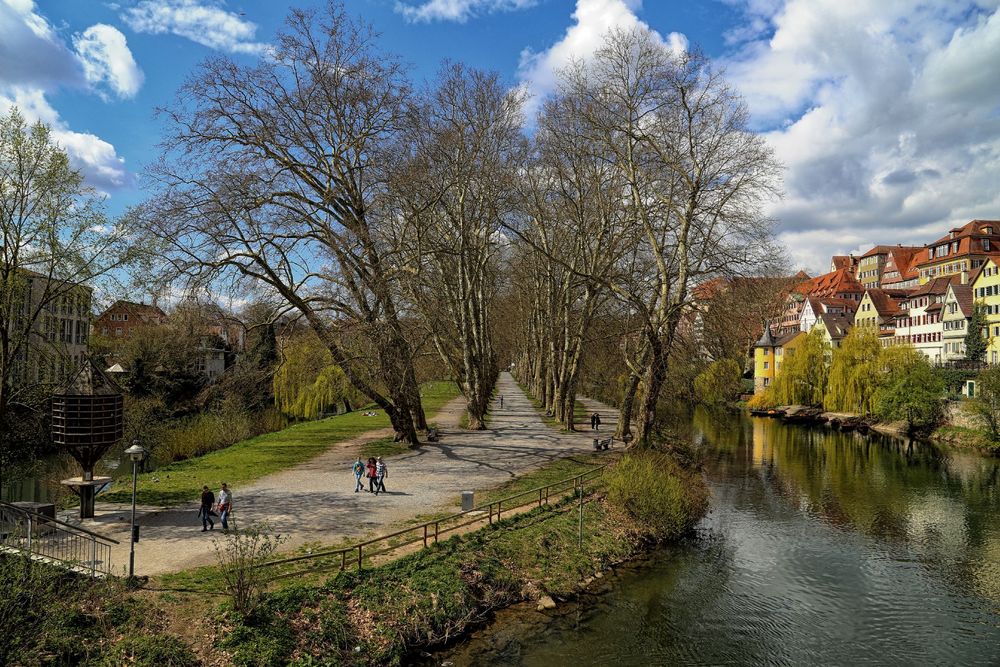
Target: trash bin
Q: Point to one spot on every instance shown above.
(468, 500)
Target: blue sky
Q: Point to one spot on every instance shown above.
(886, 113)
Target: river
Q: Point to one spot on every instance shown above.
(820, 548)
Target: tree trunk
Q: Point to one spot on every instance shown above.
(625, 412)
(655, 377)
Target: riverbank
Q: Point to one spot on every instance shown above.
(428, 599)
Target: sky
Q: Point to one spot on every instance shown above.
(884, 113)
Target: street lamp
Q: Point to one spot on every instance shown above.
(137, 454)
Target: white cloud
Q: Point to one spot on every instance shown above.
(592, 19)
(204, 22)
(458, 10)
(886, 114)
(100, 163)
(35, 61)
(106, 59)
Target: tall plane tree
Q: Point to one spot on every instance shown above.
(270, 176)
(695, 178)
(458, 184)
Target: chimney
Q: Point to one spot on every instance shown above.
(964, 278)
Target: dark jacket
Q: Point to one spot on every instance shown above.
(207, 499)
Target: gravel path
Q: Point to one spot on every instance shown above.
(315, 501)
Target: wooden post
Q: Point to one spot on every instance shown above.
(425, 536)
(359, 556)
(435, 532)
(581, 514)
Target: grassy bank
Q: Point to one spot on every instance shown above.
(960, 436)
(251, 459)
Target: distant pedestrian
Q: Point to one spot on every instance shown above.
(225, 505)
(359, 473)
(372, 473)
(381, 472)
(205, 511)
(501, 401)
(595, 422)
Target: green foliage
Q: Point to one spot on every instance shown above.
(803, 376)
(307, 384)
(656, 494)
(721, 382)
(954, 379)
(855, 373)
(975, 342)
(910, 390)
(151, 651)
(986, 404)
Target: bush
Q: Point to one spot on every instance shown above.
(986, 405)
(151, 651)
(663, 500)
(721, 382)
(239, 555)
(910, 390)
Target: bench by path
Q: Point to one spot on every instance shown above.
(315, 501)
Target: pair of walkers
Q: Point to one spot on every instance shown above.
(209, 507)
(375, 470)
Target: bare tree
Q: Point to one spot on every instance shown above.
(270, 176)
(464, 154)
(695, 178)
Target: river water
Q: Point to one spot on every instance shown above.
(820, 548)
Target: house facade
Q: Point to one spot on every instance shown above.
(986, 292)
(964, 249)
(769, 354)
(955, 315)
(920, 320)
(878, 309)
(57, 341)
(123, 317)
(900, 270)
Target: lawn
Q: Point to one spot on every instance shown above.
(249, 460)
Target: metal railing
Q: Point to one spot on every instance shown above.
(44, 538)
(428, 533)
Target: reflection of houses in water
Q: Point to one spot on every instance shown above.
(763, 452)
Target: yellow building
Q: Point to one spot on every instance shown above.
(769, 352)
(986, 292)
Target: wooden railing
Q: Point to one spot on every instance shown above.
(430, 532)
(44, 538)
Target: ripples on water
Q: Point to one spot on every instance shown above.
(821, 548)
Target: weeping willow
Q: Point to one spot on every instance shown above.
(855, 373)
(307, 384)
(803, 376)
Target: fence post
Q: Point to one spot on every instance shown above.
(93, 556)
(499, 504)
(539, 497)
(425, 536)
(581, 515)
(29, 533)
(435, 532)
(359, 556)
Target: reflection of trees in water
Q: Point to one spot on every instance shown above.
(939, 503)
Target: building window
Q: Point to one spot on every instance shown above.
(766, 365)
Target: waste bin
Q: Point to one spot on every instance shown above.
(468, 500)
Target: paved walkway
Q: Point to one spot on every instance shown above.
(315, 501)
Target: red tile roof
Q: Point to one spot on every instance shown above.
(885, 302)
(966, 237)
(835, 283)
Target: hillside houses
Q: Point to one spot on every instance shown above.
(919, 296)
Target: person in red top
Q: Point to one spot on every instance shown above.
(372, 474)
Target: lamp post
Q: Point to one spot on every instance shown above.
(137, 454)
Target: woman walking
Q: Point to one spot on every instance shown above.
(225, 505)
(381, 471)
(372, 476)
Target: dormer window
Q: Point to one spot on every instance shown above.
(986, 245)
(986, 230)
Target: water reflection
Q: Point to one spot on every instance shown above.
(821, 547)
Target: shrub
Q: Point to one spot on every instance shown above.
(910, 390)
(663, 500)
(986, 405)
(151, 651)
(239, 554)
(721, 382)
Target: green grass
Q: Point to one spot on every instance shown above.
(249, 460)
(383, 447)
(555, 471)
(960, 436)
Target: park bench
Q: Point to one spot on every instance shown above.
(433, 435)
(603, 444)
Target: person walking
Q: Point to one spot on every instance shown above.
(372, 475)
(382, 472)
(501, 401)
(359, 473)
(597, 422)
(225, 505)
(205, 511)
(593, 425)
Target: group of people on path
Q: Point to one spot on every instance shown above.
(375, 470)
(595, 422)
(209, 508)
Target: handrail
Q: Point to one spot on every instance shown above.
(63, 524)
(359, 546)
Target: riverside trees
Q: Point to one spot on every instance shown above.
(271, 175)
(689, 177)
